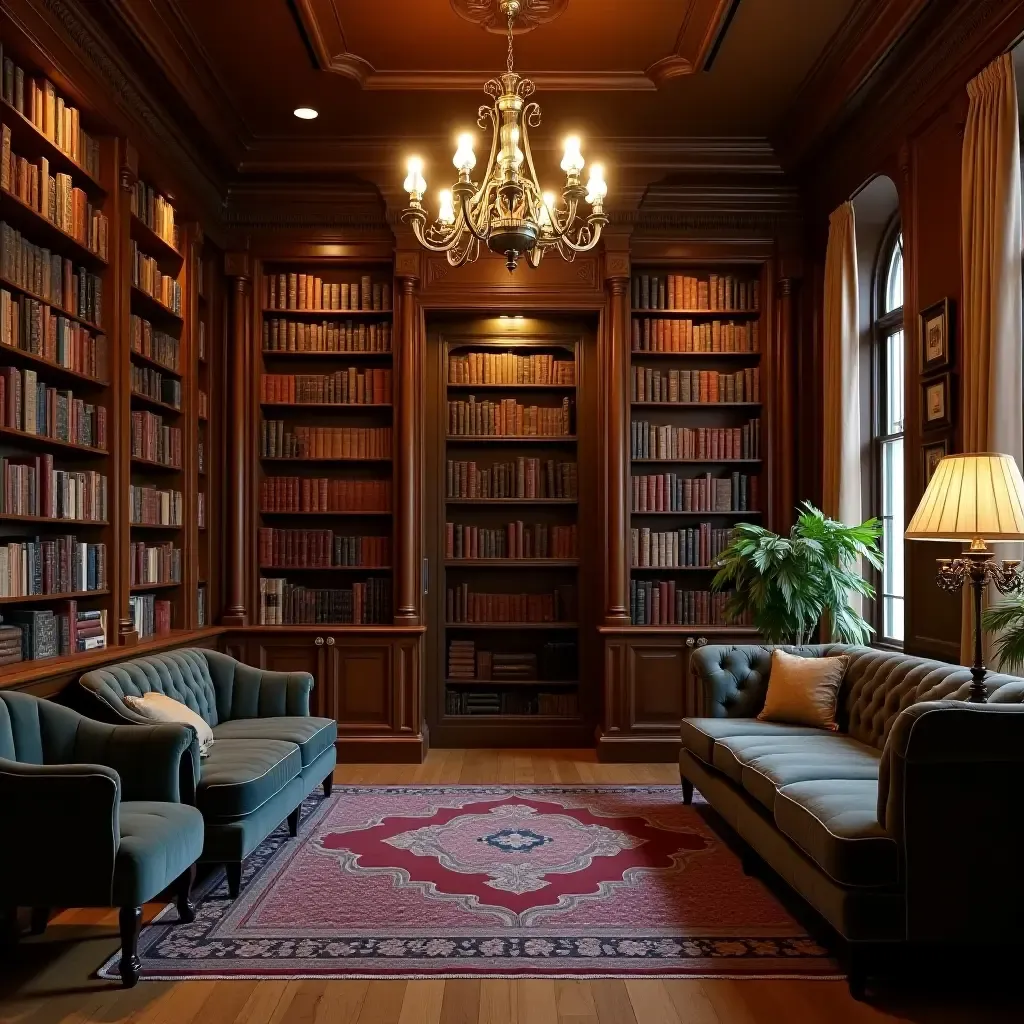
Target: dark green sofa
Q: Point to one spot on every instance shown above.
(91, 816)
(268, 752)
(881, 826)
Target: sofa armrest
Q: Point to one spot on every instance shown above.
(247, 692)
(733, 679)
(949, 794)
(148, 758)
(61, 833)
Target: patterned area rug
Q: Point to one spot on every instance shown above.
(488, 881)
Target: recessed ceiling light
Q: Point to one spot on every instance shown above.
(306, 113)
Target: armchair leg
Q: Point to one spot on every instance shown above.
(183, 895)
(687, 792)
(329, 784)
(130, 919)
(40, 919)
(293, 823)
(234, 873)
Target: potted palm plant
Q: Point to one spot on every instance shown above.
(1007, 620)
(786, 584)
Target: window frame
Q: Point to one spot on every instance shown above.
(883, 326)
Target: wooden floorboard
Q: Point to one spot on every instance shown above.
(48, 980)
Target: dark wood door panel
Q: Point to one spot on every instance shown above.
(360, 684)
(656, 685)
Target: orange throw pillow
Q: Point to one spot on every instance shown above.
(804, 691)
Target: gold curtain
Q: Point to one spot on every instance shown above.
(991, 267)
(841, 498)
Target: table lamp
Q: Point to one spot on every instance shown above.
(977, 498)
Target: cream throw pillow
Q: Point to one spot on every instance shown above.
(158, 707)
(804, 691)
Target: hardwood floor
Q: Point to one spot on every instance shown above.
(47, 980)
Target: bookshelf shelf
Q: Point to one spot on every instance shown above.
(327, 461)
(12, 517)
(709, 512)
(674, 568)
(499, 502)
(696, 462)
(331, 314)
(165, 585)
(280, 353)
(153, 245)
(457, 439)
(42, 441)
(696, 405)
(513, 625)
(155, 526)
(6, 282)
(694, 314)
(161, 467)
(342, 512)
(500, 684)
(639, 353)
(153, 309)
(330, 406)
(52, 369)
(325, 568)
(44, 232)
(511, 387)
(155, 403)
(79, 595)
(144, 360)
(512, 563)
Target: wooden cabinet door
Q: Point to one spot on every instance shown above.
(359, 685)
(297, 653)
(656, 685)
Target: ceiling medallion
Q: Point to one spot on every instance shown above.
(489, 14)
(508, 211)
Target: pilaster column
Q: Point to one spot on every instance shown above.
(616, 463)
(405, 451)
(237, 268)
(784, 466)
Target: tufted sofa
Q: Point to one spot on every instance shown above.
(268, 753)
(879, 826)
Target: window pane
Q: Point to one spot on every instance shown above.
(892, 416)
(894, 277)
(892, 539)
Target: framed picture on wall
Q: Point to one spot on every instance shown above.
(936, 403)
(931, 455)
(936, 336)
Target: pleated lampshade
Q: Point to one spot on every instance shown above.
(970, 497)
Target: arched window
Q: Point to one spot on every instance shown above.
(889, 395)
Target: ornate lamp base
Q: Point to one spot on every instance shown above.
(977, 567)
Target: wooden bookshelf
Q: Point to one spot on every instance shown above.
(310, 334)
(696, 338)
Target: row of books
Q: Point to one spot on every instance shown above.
(202, 612)
(154, 441)
(31, 326)
(154, 563)
(327, 336)
(321, 548)
(49, 276)
(556, 661)
(30, 405)
(53, 196)
(735, 493)
(56, 565)
(154, 344)
(652, 385)
(660, 334)
(663, 441)
(465, 605)
(694, 547)
(510, 702)
(150, 615)
(154, 506)
(153, 384)
(662, 603)
(286, 604)
(513, 540)
(507, 418)
(37, 634)
(321, 494)
(688, 291)
(148, 277)
(307, 442)
(38, 100)
(32, 487)
(307, 291)
(350, 386)
(520, 478)
(510, 368)
(155, 212)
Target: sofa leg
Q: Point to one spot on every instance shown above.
(234, 873)
(858, 970)
(687, 792)
(293, 822)
(130, 920)
(40, 919)
(329, 784)
(749, 860)
(183, 895)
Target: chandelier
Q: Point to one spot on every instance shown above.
(508, 211)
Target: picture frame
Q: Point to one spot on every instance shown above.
(931, 454)
(936, 331)
(937, 402)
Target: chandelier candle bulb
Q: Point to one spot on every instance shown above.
(446, 208)
(572, 161)
(597, 189)
(465, 158)
(415, 184)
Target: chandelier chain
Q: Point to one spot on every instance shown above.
(510, 17)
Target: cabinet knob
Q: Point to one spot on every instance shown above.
(319, 641)
(330, 641)
(689, 641)
(701, 641)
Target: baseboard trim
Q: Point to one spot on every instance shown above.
(634, 749)
(382, 749)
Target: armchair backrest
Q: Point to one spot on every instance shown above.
(36, 731)
(877, 686)
(183, 675)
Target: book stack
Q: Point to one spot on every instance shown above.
(654, 385)
(50, 277)
(80, 630)
(658, 334)
(157, 563)
(302, 442)
(725, 292)
(475, 702)
(153, 384)
(156, 345)
(30, 405)
(513, 667)
(39, 633)
(462, 660)
(508, 418)
(151, 506)
(307, 291)
(662, 441)
(672, 492)
(694, 547)
(522, 478)
(344, 387)
(151, 616)
(464, 605)
(147, 277)
(11, 649)
(322, 494)
(509, 368)
(662, 603)
(57, 565)
(326, 336)
(155, 441)
(28, 324)
(155, 212)
(32, 487)
(514, 540)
